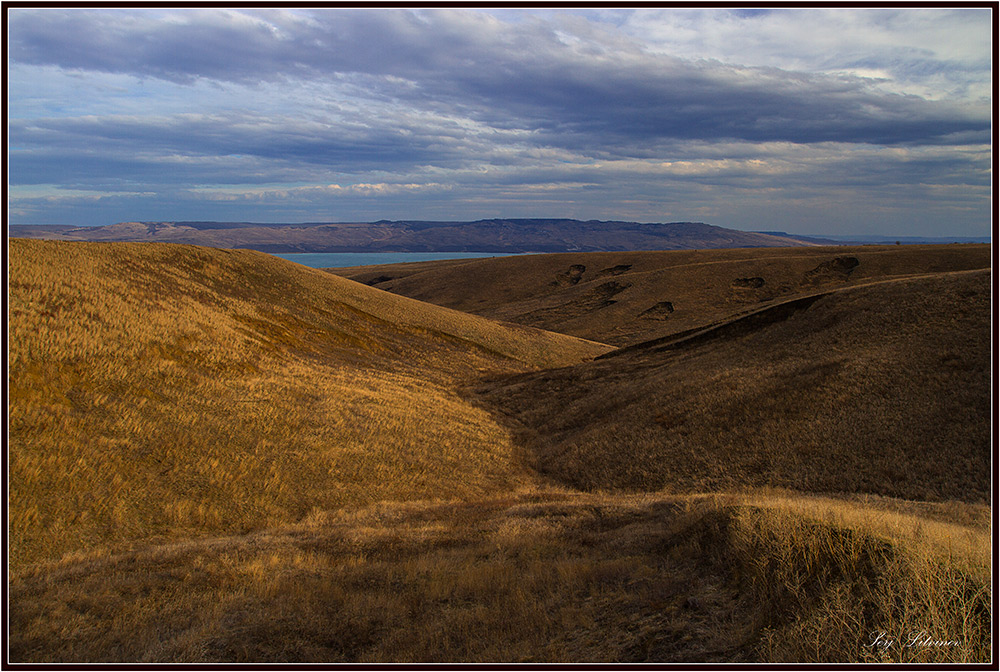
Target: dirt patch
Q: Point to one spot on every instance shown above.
(597, 298)
(748, 283)
(600, 296)
(570, 276)
(615, 270)
(839, 268)
(660, 311)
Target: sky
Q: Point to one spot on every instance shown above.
(812, 120)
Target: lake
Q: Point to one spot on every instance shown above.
(344, 259)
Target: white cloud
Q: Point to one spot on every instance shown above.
(309, 192)
(935, 53)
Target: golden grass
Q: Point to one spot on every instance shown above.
(965, 546)
(530, 577)
(169, 391)
(841, 583)
(218, 456)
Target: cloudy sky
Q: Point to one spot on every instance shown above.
(811, 120)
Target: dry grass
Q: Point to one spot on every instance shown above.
(881, 390)
(539, 576)
(843, 583)
(702, 286)
(218, 456)
(169, 391)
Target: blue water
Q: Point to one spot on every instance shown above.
(344, 259)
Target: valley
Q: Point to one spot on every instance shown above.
(729, 455)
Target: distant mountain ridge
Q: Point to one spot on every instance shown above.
(485, 235)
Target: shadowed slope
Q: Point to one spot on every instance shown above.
(529, 577)
(170, 390)
(879, 389)
(629, 297)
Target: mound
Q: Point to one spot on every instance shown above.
(557, 291)
(659, 311)
(166, 390)
(881, 389)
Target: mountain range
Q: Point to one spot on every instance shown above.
(485, 235)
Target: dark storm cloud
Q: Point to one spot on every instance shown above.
(288, 146)
(573, 91)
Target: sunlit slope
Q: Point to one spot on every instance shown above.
(628, 297)
(880, 389)
(172, 390)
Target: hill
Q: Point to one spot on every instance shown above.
(881, 389)
(170, 390)
(629, 297)
(221, 456)
(487, 235)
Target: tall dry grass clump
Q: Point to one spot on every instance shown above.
(835, 582)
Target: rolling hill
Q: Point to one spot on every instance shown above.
(164, 389)
(220, 456)
(623, 298)
(882, 388)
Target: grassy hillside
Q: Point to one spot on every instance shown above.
(166, 390)
(881, 389)
(221, 456)
(629, 297)
(533, 577)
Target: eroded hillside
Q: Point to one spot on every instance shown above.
(629, 297)
(881, 389)
(530, 577)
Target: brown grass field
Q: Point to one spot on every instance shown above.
(880, 389)
(621, 297)
(221, 456)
